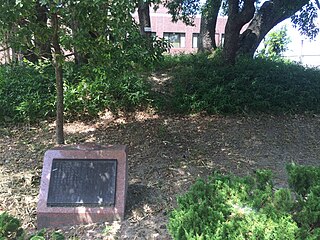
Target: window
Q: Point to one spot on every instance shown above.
(195, 40)
(177, 40)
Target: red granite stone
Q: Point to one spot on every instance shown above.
(60, 216)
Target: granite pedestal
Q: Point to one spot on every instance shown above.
(82, 184)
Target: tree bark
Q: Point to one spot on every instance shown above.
(237, 18)
(79, 57)
(42, 18)
(7, 58)
(144, 17)
(208, 25)
(58, 58)
(269, 15)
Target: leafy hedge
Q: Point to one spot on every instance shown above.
(94, 90)
(27, 92)
(201, 83)
(230, 207)
(10, 229)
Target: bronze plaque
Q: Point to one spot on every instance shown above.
(82, 182)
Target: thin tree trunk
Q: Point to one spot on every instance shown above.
(7, 58)
(144, 18)
(58, 58)
(42, 18)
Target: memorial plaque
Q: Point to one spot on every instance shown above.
(82, 182)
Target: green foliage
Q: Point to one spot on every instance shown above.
(275, 44)
(10, 227)
(95, 90)
(201, 83)
(41, 235)
(26, 93)
(229, 207)
(302, 178)
(107, 39)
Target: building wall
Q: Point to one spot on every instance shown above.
(161, 23)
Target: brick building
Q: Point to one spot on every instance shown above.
(183, 38)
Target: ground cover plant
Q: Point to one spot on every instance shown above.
(27, 92)
(198, 83)
(201, 83)
(10, 229)
(230, 207)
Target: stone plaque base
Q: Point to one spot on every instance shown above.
(62, 210)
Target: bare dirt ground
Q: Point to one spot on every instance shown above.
(166, 155)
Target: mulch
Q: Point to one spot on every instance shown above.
(166, 155)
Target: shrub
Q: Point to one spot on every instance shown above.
(302, 178)
(230, 207)
(10, 228)
(200, 83)
(26, 93)
(95, 90)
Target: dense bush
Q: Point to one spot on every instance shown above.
(229, 207)
(95, 90)
(26, 93)
(10, 228)
(201, 83)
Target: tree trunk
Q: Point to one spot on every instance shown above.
(79, 58)
(208, 25)
(7, 58)
(237, 18)
(58, 58)
(205, 43)
(144, 18)
(269, 15)
(42, 19)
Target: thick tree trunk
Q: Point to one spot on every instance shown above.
(37, 48)
(144, 18)
(269, 15)
(79, 58)
(58, 58)
(237, 18)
